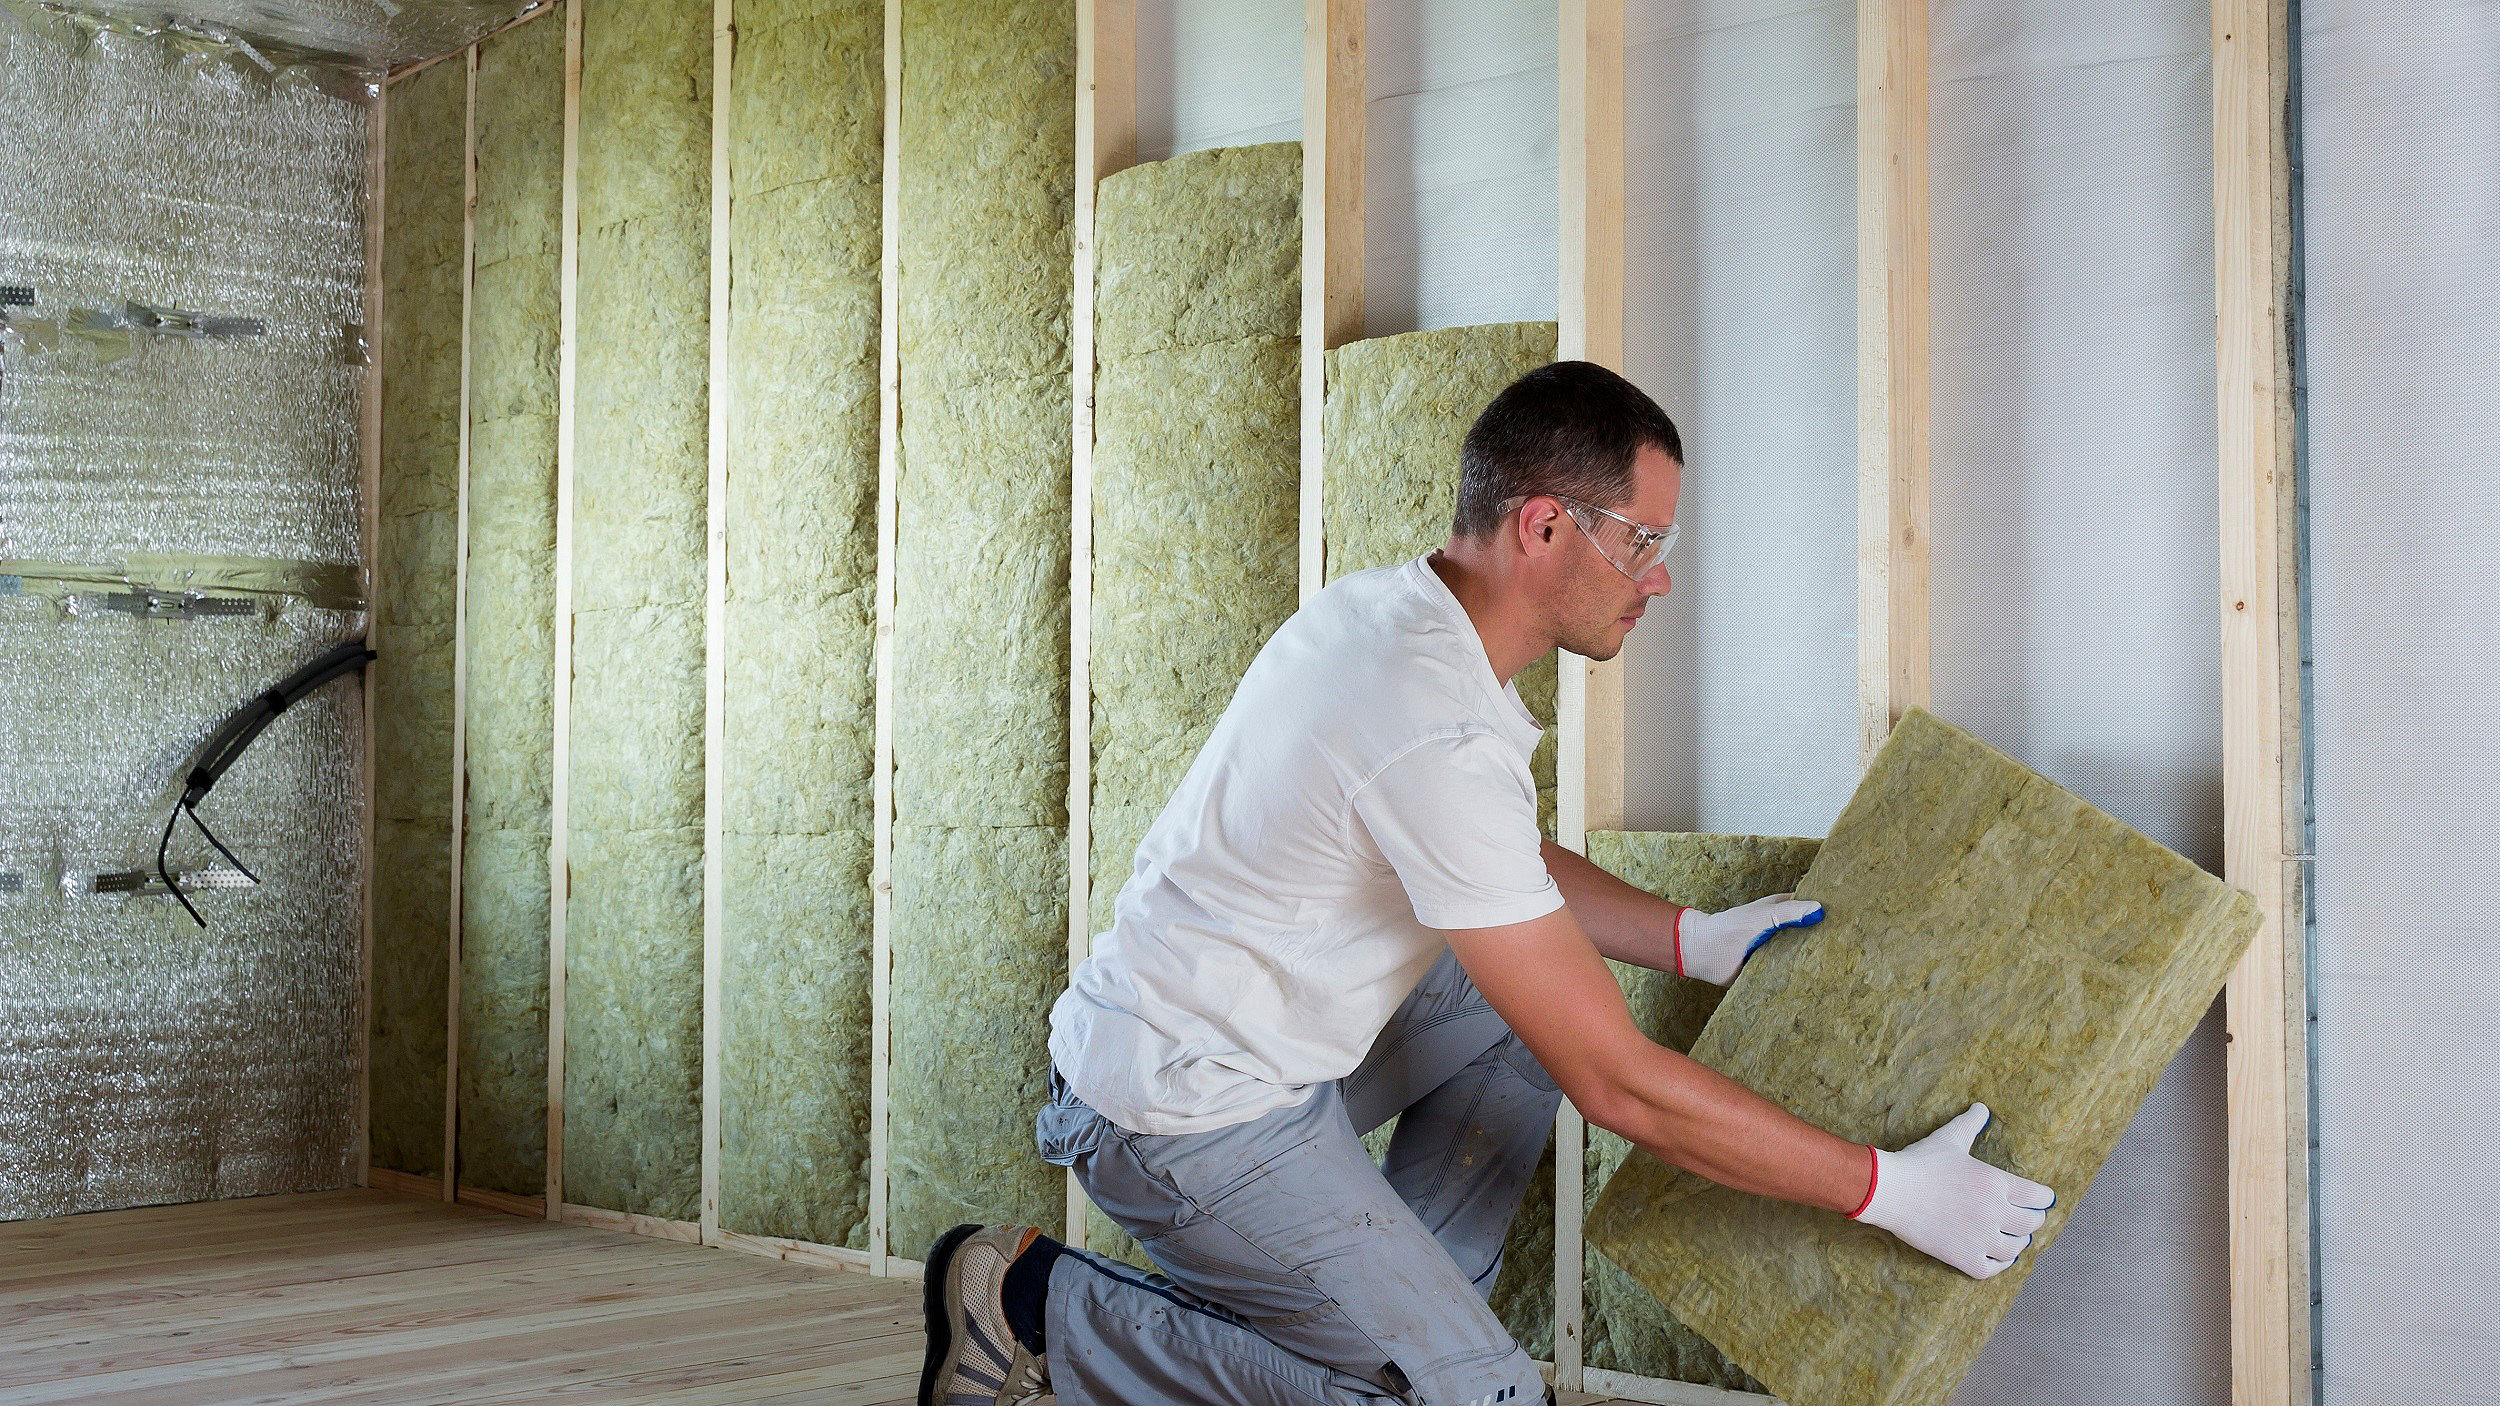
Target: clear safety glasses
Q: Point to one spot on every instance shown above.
(1629, 547)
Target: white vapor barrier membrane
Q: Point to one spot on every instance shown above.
(148, 1060)
(1740, 319)
(1460, 181)
(1216, 73)
(1460, 184)
(2400, 120)
(2075, 580)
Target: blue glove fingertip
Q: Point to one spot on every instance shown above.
(1776, 929)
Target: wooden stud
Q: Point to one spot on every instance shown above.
(1588, 694)
(1332, 232)
(889, 460)
(1603, 1385)
(1106, 141)
(460, 636)
(559, 870)
(531, 1207)
(368, 535)
(405, 1184)
(716, 616)
(2264, 1004)
(790, 1251)
(657, 1227)
(1892, 364)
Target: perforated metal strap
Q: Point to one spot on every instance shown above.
(143, 883)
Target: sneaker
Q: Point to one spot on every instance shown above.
(973, 1359)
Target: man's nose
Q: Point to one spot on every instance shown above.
(1655, 582)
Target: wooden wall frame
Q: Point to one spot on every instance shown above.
(1892, 365)
(1106, 142)
(559, 814)
(1588, 702)
(460, 634)
(716, 618)
(1333, 118)
(2258, 624)
(2266, 1002)
(881, 784)
(368, 540)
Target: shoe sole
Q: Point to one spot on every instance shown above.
(937, 1273)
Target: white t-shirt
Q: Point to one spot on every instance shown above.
(1368, 784)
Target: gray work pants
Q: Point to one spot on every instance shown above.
(1295, 1269)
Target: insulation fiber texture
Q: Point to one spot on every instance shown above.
(1197, 478)
(1990, 937)
(412, 615)
(634, 919)
(805, 145)
(980, 607)
(1398, 407)
(143, 1060)
(1627, 1330)
(510, 629)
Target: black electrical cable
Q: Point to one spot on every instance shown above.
(227, 743)
(166, 874)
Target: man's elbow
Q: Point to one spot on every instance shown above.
(1608, 1100)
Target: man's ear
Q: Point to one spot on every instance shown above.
(1538, 519)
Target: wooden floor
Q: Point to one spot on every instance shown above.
(367, 1296)
(363, 1296)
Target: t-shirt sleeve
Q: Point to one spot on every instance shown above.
(1456, 818)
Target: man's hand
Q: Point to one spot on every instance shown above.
(1951, 1206)
(1712, 947)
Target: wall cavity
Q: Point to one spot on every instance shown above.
(514, 316)
(806, 147)
(412, 614)
(634, 918)
(1197, 474)
(981, 616)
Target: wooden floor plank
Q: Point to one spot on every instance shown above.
(362, 1296)
(359, 1296)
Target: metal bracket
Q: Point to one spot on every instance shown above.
(164, 322)
(143, 883)
(150, 604)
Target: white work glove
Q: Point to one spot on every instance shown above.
(1949, 1205)
(1712, 947)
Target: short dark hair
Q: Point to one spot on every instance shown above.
(1571, 427)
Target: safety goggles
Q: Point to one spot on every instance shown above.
(1629, 547)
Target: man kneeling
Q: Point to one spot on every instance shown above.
(1344, 915)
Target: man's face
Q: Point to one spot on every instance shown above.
(1596, 605)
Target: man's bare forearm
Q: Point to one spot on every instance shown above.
(1625, 923)
(1699, 1119)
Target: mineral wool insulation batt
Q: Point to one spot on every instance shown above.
(634, 919)
(980, 608)
(1398, 408)
(1197, 477)
(412, 615)
(514, 316)
(806, 114)
(1627, 1330)
(1991, 938)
